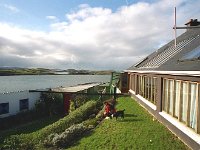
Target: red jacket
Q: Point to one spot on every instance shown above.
(107, 108)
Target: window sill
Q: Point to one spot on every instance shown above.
(4, 115)
(191, 133)
(132, 92)
(144, 100)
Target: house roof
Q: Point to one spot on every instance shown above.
(184, 57)
(71, 89)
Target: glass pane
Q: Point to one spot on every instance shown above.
(146, 87)
(150, 87)
(194, 54)
(4, 108)
(140, 85)
(177, 98)
(143, 85)
(133, 83)
(155, 90)
(184, 102)
(171, 91)
(193, 105)
(165, 94)
(23, 104)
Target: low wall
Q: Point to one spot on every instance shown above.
(11, 101)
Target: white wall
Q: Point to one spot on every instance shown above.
(13, 99)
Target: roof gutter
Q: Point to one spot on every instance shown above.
(190, 73)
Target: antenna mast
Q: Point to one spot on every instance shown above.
(175, 34)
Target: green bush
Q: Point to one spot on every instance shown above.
(77, 101)
(77, 116)
(50, 103)
(18, 142)
(22, 141)
(67, 137)
(92, 123)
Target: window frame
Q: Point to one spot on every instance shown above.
(8, 107)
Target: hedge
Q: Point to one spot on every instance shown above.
(29, 141)
(67, 137)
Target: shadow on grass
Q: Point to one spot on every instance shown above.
(128, 120)
(77, 141)
(130, 115)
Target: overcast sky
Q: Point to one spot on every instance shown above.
(87, 34)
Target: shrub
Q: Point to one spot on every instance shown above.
(92, 123)
(50, 103)
(18, 142)
(100, 115)
(67, 137)
(77, 101)
(77, 116)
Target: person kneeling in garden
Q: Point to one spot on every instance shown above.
(109, 110)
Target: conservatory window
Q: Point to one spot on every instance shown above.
(184, 102)
(177, 98)
(193, 97)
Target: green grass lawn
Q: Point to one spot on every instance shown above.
(136, 131)
(28, 127)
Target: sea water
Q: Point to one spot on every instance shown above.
(32, 82)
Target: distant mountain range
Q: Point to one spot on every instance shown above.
(7, 71)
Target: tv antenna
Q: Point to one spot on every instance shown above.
(175, 33)
(186, 27)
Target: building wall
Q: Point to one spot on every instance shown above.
(125, 78)
(13, 100)
(179, 111)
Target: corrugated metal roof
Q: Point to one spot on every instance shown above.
(71, 89)
(164, 56)
(168, 57)
(74, 89)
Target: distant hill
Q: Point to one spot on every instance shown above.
(24, 71)
(8, 71)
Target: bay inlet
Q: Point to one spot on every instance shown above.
(32, 82)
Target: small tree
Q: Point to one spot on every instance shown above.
(50, 103)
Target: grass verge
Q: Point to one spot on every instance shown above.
(136, 131)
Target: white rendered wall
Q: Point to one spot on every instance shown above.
(13, 99)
